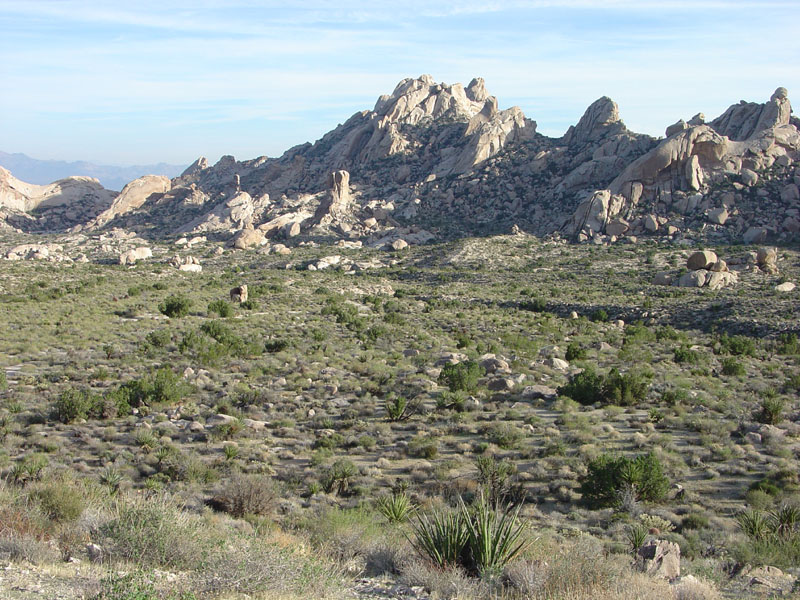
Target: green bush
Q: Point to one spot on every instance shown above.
(585, 387)
(685, 355)
(3, 380)
(73, 404)
(161, 387)
(575, 352)
(462, 376)
(624, 389)
(599, 316)
(175, 306)
(396, 508)
(59, 500)
(788, 344)
(732, 367)
(159, 338)
(588, 387)
(608, 476)
(737, 345)
(221, 307)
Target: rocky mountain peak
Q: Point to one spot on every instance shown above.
(747, 120)
(600, 120)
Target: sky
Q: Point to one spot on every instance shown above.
(147, 81)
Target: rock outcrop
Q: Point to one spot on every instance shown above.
(133, 196)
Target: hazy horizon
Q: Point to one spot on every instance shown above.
(171, 81)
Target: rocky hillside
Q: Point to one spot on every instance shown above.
(433, 160)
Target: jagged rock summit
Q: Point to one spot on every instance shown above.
(441, 160)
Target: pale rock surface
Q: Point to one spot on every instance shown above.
(660, 558)
(133, 196)
(131, 256)
(701, 260)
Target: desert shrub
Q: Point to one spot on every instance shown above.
(537, 305)
(694, 521)
(584, 387)
(246, 495)
(73, 404)
(732, 367)
(685, 355)
(675, 396)
(788, 344)
(737, 345)
(175, 306)
(772, 410)
(608, 476)
(249, 304)
(160, 387)
(221, 307)
(575, 352)
(504, 435)
(423, 447)
(59, 500)
(625, 389)
(400, 409)
(153, 532)
(461, 376)
(273, 346)
(136, 586)
(3, 380)
(159, 338)
(767, 486)
(495, 476)
(599, 316)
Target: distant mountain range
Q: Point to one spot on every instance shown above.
(47, 171)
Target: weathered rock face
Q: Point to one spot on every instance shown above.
(336, 203)
(745, 120)
(59, 204)
(131, 256)
(593, 214)
(133, 196)
(248, 238)
(701, 260)
(660, 558)
(239, 212)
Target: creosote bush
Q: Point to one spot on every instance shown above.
(246, 495)
(175, 306)
(462, 376)
(608, 477)
(622, 389)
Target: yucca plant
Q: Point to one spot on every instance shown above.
(112, 478)
(636, 535)
(784, 520)
(396, 508)
(495, 535)
(442, 537)
(753, 524)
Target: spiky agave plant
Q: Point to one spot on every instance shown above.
(785, 520)
(495, 535)
(441, 536)
(753, 524)
(396, 508)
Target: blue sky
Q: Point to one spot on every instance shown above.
(145, 81)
